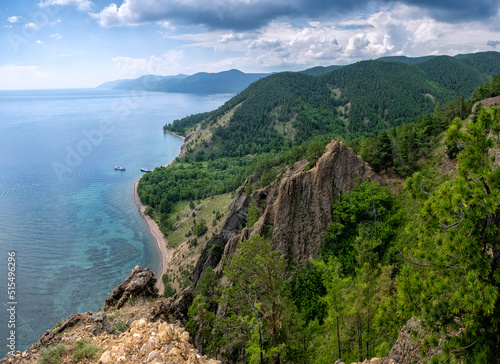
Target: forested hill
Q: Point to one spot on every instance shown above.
(360, 99)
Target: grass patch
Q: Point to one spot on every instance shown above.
(204, 210)
(52, 354)
(84, 350)
(120, 326)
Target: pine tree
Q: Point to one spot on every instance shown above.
(455, 284)
(257, 291)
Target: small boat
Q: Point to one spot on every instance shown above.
(119, 168)
(146, 170)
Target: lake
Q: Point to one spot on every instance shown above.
(68, 216)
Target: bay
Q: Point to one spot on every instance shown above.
(70, 218)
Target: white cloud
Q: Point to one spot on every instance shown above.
(14, 19)
(31, 26)
(39, 42)
(82, 5)
(56, 36)
(117, 16)
(167, 64)
(396, 30)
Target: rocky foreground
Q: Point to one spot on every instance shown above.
(135, 326)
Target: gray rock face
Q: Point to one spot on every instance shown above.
(299, 206)
(140, 282)
(236, 219)
(297, 212)
(98, 316)
(407, 349)
(165, 308)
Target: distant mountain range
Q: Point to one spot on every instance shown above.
(232, 81)
(460, 74)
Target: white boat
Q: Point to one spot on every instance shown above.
(119, 168)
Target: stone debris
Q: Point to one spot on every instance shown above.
(143, 342)
(150, 342)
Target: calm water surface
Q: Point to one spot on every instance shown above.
(70, 218)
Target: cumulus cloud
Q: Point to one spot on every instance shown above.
(14, 19)
(245, 14)
(82, 5)
(397, 30)
(56, 36)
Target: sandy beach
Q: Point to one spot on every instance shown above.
(174, 134)
(161, 242)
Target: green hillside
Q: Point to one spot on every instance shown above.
(320, 70)
(287, 109)
(485, 62)
(454, 74)
(404, 59)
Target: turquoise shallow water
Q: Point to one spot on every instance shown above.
(68, 215)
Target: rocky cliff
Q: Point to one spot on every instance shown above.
(296, 209)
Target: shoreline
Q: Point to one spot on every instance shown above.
(161, 242)
(174, 134)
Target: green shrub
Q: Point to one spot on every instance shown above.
(84, 350)
(120, 326)
(52, 354)
(193, 242)
(168, 291)
(200, 228)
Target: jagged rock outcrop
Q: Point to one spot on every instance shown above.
(125, 333)
(50, 336)
(299, 207)
(214, 249)
(143, 342)
(140, 283)
(166, 308)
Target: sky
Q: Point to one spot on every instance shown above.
(83, 43)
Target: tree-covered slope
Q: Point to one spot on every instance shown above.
(404, 59)
(287, 109)
(485, 62)
(454, 74)
(384, 94)
(320, 70)
(371, 275)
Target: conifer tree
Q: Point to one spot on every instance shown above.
(455, 284)
(257, 291)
